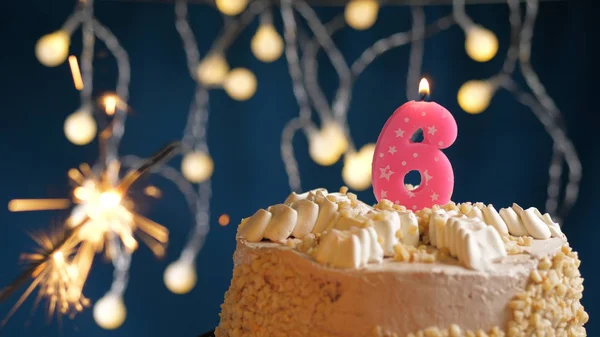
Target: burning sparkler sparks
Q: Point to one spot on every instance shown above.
(103, 211)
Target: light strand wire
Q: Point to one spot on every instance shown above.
(233, 27)
(87, 55)
(195, 132)
(520, 46)
(72, 22)
(200, 112)
(460, 15)
(121, 259)
(303, 122)
(310, 68)
(395, 40)
(326, 42)
(123, 79)
(417, 51)
(565, 145)
(557, 134)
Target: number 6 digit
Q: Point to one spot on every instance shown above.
(396, 155)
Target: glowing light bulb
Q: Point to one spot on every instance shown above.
(180, 277)
(474, 96)
(266, 44)
(80, 127)
(240, 84)
(197, 166)
(52, 49)
(481, 44)
(334, 133)
(110, 312)
(357, 168)
(361, 14)
(231, 7)
(109, 199)
(327, 146)
(212, 70)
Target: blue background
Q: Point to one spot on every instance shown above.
(500, 157)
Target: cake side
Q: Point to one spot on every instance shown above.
(281, 292)
(466, 274)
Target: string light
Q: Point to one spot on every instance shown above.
(212, 70)
(231, 7)
(52, 49)
(361, 14)
(180, 277)
(481, 44)
(357, 168)
(474, 96)
(240, 84)
(327, 145)
(80, 127)
(266, 43)
(110, 312)
(197, 166)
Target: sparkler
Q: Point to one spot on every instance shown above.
(61, 266)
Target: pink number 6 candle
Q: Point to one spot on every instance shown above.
(396, 154)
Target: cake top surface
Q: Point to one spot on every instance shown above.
(340, 231)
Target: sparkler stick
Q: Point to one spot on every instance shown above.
(160, 157)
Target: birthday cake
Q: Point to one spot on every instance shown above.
(413, 265)
(328, 265)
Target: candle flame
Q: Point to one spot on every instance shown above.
(423, 88)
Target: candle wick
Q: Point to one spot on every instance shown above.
(423, 96)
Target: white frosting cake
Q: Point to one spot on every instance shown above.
(327, 265)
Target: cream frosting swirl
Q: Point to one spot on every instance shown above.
(475, 244)
(353, 248)
(346, 233)
(517, 221)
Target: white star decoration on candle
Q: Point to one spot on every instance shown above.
(392, 150)
(434, 196)
(386, 173)
(427, 176)
(411, 194)
(383, 194)
(399, 133)
(431, 130)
